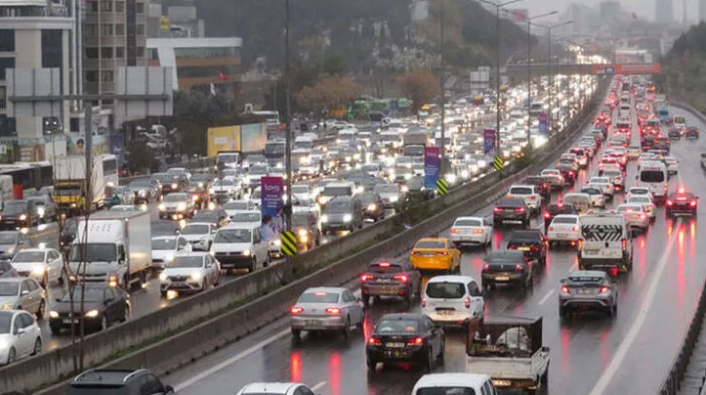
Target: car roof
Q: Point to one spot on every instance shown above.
(463, 380)
(451, 279)
(108, 377)
(36, 250)
(469, 218)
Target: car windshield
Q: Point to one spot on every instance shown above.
(468, 222)
(612, 173)
(195, 230)
(15, 207)
(228, 158)
(445, 290)
(397, 326)
(257, 171)
(585, 279)
(564, 220)
(145, 182)
(90, 295)
(246, 217)
(187, 261)
(176, 197)
(319, 297)
(445, 391)
(639, 199)
(164, 244)
(599, 180)
(29, 256)
(372, 168)
(233, 236)
(652, 176)
(430, 244)
(223, 183)
(300, 189)
(639, 191)
(386, 188)
(205, 216)
(629, 209)
(236, 206)
(592, 191)
(337, 191)
(9, 288)
(95, 252)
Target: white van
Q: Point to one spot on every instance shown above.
(653, 175)
(336, 189)
(453, 300)
(582, 201)
(606, 243)
(454, 384)
(532, 198)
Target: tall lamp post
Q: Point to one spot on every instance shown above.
(529, 72)
(498, 7)
(549, 64)
(288, 117)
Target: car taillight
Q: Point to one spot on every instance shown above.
(565, 289)
(295, 310)
(467, 302)
(455, 231)
(571, 173)
(534, 248)
(519, 267)
(486, 267)
(574, 228)
(533, 197)
(693, 203)
(365, 277)
(333, 311)
(642, 216)
(670, 203)
(401, 277)
(519, 209)
(443, 253)
(625, 244)
(374, 341)
(423, 302)
(497, 209)
(551, 229)
(605, 289)
(417, 341)
(547, 215)
(477, 231)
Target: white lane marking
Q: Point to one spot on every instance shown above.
(318, 386)
(235, 358)
(629, 339)
(546, 297)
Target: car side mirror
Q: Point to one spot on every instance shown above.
(24, 292)
(545, 349)
(21, 331)
(168, 389)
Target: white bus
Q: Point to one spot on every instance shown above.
(271, 117)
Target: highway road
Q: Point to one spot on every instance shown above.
(591, 355)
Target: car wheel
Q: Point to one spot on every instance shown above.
(41, 309)
(296, 334)
(442, 352)
(346, 331)
(11, 356)
(37, 347)
(104, 323)
(126, 314)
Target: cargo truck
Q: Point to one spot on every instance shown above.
(70, 181)
(245, 139)
(115, 246)
(413, 144)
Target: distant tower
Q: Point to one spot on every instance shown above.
(702, 10)
(664, 11)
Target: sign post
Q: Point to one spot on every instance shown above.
(432, 166)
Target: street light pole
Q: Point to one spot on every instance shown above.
(288, 117)
(529, 73)
(443, 88)
(551, 72)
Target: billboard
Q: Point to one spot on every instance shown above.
(76, 143)
(627, 69)
(253, 137)
(271, 202)
(224, 138)
(432, 165)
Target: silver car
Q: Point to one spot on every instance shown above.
(588, 289)
(596, 195)
(326, 309)
(23, 294)
(20, 336)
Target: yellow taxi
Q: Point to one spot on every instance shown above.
(436, 253)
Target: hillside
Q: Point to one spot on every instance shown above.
(367, 34)
(684, 68)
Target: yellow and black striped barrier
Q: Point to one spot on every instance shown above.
(442, 187)
(289, 243)
(498, 163)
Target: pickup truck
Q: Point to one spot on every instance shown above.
(510, 351)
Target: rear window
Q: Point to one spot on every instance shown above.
(520, 191)
(446, 290)
(564, 220)
(446, 391)
(397, 326)
(585, 279)
(652, 176)
(430, 244)
(319, 297)
(468, 222)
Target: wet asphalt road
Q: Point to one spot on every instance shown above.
(589, 354)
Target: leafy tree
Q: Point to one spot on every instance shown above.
(194, 112)
(140, 157)
(327, 94)
(420, 86)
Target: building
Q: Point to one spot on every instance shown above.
(33, 34)
(609, 9)
(664, 11)
(702, 10)
(114, 36)
(199, 62)
(179, 21)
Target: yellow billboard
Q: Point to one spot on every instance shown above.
(225, 138)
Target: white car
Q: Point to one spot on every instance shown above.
(302, 191)
(554, 177)
(471, 230)
(18, 344)
(453, 299)
(635, 215)
(672, 164)
(234, 206)
(190, 272)
(604, 184)
(199, 235)
(276, 389)
(638, 191)
(326, 309)
(528, 193)
(165, 248)
(646, 202)
(240, 246)
(42, 264)
(564, 228)
(251, 218)
(596, 195)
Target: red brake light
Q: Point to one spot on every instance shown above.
(417, 341)
(670, 203)
(547, 215)
(467, 302)
(333, 311)
(374, 341)
(486, 267)
(454, 231)
(424, 302)
(444, 253)
(681, 190)
(519, 267)
(295, 310)
(401, 277)
(604, 289)
(571, 172)
(574, 228)
(551, 229)
(365, 277)
(625, 244)
(693, 203)
(532, 197)
(497, 209)
(520, 209)
(565, 289)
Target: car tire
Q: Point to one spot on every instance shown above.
(55, 330)
(41, 310)
(371, 365)
(37, 349)
(296, 334)
(346, 331)
(442, 352)
(429, 361)
(11, 355)
(126, 314)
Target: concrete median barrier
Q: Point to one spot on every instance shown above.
(192, 327)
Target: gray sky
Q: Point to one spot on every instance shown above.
(643, 8)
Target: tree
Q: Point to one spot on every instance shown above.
(141, 156)
(327, 94)
(194, 112)
(420, 86)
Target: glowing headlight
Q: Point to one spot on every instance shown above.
(451, 178)
(53, 314)
(40, 211)
(347, 218)
(348, 158)
(405, 188)
(92, 314)
(11, 250)
(372, 207)
(407, 176)
(277, 243)
(196, 276)
(394, 199)
(280, 165)
(73, 205)
(163, 276)
(201, 185)
(169, 258)
(7, 306)
(181, 206)
(324, 218)
(38, 270)
(23, 217)
(161, 207)
(142, 193)
(305, 160)
(303, 233)
(246, 253)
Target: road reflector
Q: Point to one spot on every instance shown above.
(289, 243)
(442, 187)
(498, 163)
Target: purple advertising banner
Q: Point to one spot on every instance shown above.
(432, 164)
(543, 120)
(272, 191)
(488, 141)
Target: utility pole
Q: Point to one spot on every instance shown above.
(288, 119)
(443, 90)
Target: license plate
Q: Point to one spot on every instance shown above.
(523, 248)
(388, 290)
(179, 283)
(591, 251)
(445, 312)
(313, 323)
(68, 320)
(429, 254)
(585, 291)
(563, 235)
(509, 210)
(394, 345)
(502, 278)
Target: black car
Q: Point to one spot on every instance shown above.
(373, 205)
(217, 216)
(674, 134)
(506, 267)
(405, 338)
(104, 305)
(146, 190)
(18, 214)
(172, 182)
(541, 185)
(555, 209)
(391, 278)
(532, 243)
(511, 209)
(123, 382)
(692, 132)
(342, 213)
(568, 172)
(682, 202)
(306, 227)
(67, 233)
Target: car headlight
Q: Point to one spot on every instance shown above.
(196, 276)
(53, 314)
(161, 207)
(92, 314)
(303, 233)
(7, 306)
(211, 191)
(174, 185)
(394, 199)
(40, 211)
(23, 217)
(246, 252)
(169, 258)
(277, 243)
(201, 185)
(324, 218)
(181, 206)
(163, 276)
(372, 207)
(280, 165)
(405, 188)
(142, 193)
(73, 205)
(38, 270)
(347, 218)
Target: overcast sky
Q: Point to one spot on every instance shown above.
(643, 8)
